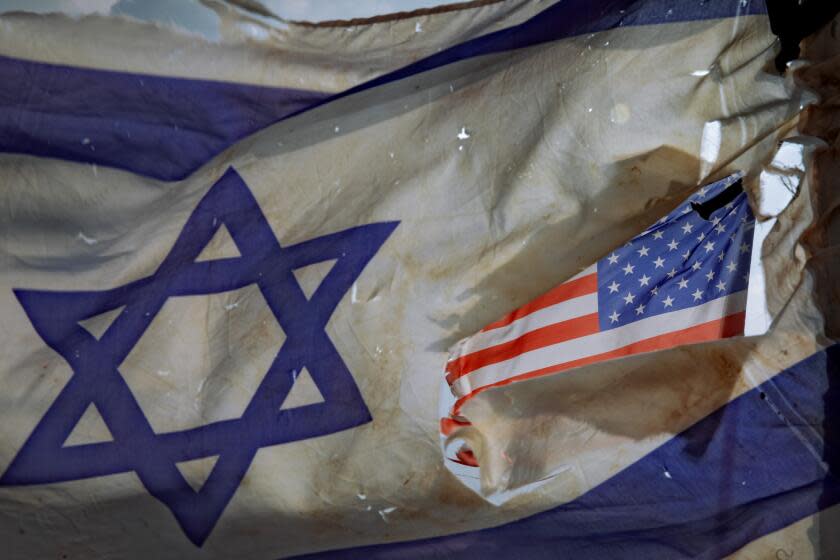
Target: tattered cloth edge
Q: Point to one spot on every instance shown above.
(394, 16)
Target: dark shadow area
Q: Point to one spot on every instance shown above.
(793, 20)
(823, 241)
(705, 209)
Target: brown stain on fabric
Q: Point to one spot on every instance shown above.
(645, 187)
(637, 397)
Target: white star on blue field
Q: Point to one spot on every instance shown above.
(682, 261)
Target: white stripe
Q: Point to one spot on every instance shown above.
(563, 311)
(758, 319)
(598, 343)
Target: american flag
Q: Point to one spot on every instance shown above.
(684, 280)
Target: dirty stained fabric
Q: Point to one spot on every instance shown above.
(230, 275)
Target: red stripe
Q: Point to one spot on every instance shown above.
(538, 338)
(466, 457)
(449, 425)
(731, 325)
(571, 289)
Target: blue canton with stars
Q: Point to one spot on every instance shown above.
(45, 458)
(682, 261)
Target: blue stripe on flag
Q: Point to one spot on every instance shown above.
(156, 126)
(753, 467)
(166, 128)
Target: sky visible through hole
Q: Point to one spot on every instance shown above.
(191, 15)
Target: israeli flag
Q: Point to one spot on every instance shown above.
(231, 274)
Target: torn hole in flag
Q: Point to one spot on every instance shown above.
(694, 276)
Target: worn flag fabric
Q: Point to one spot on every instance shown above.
(232, 272)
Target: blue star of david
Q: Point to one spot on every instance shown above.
(96, 379)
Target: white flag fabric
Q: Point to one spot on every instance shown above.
(231, 275)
